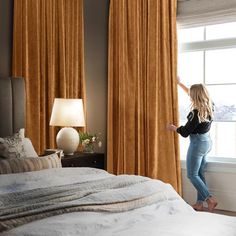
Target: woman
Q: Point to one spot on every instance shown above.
(197, 128)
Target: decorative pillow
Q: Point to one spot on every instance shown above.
(29, 148)
(22, 133)
(17, 165)
(12, 147)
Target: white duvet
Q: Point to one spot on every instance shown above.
(165, 218)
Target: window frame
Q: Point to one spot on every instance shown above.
(204, 45)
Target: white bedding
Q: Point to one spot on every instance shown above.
(164, 218)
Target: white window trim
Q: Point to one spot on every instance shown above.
(221, 165)
(207, 45)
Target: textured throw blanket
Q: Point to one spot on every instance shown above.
(113, 194)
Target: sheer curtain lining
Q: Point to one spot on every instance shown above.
(193, 13)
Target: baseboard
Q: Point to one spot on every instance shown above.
(226, 199)
(219, 185)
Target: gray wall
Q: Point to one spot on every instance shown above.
(96, 41)
(6, 29)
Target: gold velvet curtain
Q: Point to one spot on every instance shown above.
(142, 90)
(48, 53)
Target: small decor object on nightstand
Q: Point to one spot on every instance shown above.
(89, 141)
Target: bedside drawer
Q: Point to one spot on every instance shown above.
(94, 160)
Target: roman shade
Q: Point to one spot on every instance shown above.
(193, 13)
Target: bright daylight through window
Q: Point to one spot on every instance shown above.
(208, 55)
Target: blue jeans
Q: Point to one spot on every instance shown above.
(200, 145)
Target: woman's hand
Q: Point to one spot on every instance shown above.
(178, 80)
(171, 127)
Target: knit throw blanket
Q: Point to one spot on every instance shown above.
(112, 194)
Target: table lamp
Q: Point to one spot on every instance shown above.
(68, 113)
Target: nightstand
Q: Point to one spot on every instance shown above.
(80, 159)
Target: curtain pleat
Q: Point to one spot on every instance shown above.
(48, 52)
(142, 91)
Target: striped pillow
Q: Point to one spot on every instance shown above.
(17, 165)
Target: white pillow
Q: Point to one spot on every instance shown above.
(27, 144)
(29, 148)
(22, 133)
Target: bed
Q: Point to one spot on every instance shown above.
(88, 201)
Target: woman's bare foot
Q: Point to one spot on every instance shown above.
(198, 206)
(212, 203)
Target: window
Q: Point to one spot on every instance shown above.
(208, 55)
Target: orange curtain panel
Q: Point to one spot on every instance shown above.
(142, 89)
(48, 52)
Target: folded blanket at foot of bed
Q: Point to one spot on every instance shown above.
(113, 194)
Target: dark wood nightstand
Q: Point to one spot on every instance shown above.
(80, 159)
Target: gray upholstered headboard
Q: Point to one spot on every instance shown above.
(12, 105)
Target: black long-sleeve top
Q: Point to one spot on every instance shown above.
(193, 125)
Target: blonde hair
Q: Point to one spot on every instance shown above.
(201, 101)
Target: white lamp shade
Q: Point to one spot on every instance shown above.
(67, 112)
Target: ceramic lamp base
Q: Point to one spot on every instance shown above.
(67, 140)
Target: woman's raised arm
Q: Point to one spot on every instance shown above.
(185, 88)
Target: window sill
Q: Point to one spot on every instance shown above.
(221, 165)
